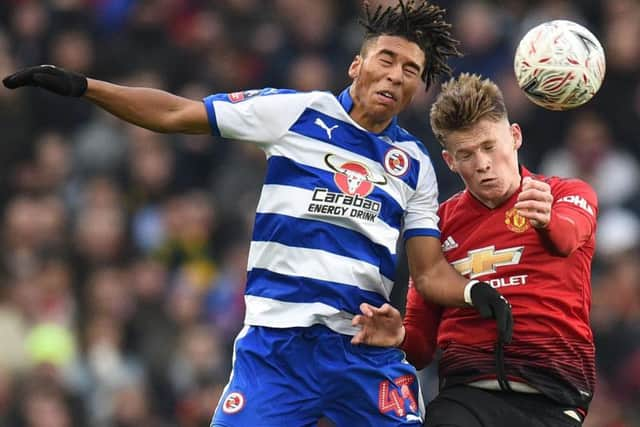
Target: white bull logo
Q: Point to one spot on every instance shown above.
(353, 177)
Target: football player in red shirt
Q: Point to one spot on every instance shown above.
(532, 238)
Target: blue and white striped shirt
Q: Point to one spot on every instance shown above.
(335, 200)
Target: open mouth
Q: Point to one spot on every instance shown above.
(488, 181)
(386, 96)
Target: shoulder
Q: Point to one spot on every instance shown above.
(253, 94)
(454, 200)
(573, 191)
(558, 183)
(451, 203)
(408, 141)
(415, 149)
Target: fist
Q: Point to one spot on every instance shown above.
(535, 201)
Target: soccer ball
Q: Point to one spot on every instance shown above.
(559, 65)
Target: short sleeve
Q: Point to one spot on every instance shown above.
(261, 115)
(421, 216)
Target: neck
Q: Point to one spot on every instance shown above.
(368, 122)
(493, 203)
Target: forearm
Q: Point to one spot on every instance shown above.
(420, 330)
(437, 281)
(441, 284)
(152, 109)
(566, 233)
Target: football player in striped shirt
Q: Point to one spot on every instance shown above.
(344, 183)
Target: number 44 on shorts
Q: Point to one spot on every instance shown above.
(397, 398)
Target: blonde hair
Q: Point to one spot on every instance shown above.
(463, 102)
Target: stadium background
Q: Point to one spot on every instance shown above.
(123, 251)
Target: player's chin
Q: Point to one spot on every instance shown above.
(489, 194)
(384, 114)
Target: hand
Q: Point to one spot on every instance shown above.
(491, 304)
(50, 77)
(381, 327)
(534, 202)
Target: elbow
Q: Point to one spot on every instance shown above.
(563, 249)
(170, 123)
(564, 252)
(421, 284)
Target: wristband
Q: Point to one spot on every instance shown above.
(467, 291)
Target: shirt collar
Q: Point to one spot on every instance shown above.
(346, 101)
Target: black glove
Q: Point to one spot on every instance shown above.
(50, 77)
(491, 304)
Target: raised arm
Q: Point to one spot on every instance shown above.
(566, 223)
(153, 109)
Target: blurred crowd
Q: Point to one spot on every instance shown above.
(124, 251)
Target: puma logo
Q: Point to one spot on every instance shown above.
(323, 125)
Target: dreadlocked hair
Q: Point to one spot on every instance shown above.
(420, 22)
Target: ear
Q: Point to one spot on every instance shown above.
(354, 68)
(449, 160)
(516, 133)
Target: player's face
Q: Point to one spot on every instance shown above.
(486, 157)
(385, 79)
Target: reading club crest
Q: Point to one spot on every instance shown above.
(352, 177)
(233, 403)
(396, 162)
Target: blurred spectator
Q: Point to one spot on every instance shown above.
(622, 83)
(8, 398)
(99, 236)
(198, 374)
(479, 27)
(616, 306)
(13, 332)
(590, 153)
(46, 408)
(224, 300)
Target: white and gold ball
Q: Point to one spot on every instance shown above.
(559, 65)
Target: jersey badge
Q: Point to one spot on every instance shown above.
(243, 96)
(233, 403)
(396, 162)
(516, 222)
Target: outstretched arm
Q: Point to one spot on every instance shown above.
(149, 108)
(153, 109)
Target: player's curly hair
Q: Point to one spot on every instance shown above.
(420, 22)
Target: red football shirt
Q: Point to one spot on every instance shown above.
(545, 275)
